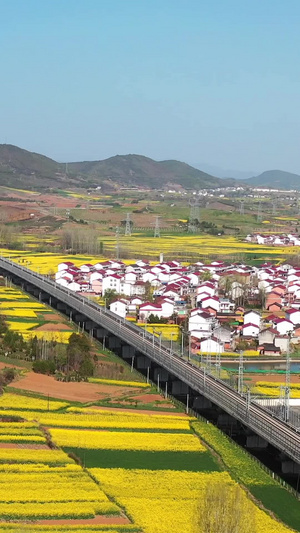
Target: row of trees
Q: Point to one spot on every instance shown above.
(73, 361)
(81, 240)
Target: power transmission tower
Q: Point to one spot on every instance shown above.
(194, 218)
(274, 207)
(128, 225)
(117, 242)
(242, 207)
(157, 228)
(259, 213)
(241, 374)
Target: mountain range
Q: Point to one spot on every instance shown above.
(28, 170)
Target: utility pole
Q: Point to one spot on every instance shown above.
(157, 228)
(128, 225)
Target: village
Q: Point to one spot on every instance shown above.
(220, 308)
(291, 239)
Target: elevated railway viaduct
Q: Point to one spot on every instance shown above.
(145, 351)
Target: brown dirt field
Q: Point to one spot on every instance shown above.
(78, 392)
(273, 378)
(140, 411)
(53, 327)
(151, 398)
(51, 317)
(118, 520)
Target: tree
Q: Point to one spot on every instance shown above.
(225, 509)
(110, 295)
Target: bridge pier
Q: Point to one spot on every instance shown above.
(200, 402)
(256, 442)
(142, 361)
(179, 388)
(290, 467)
(162, 373)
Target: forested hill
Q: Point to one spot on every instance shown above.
(20, 168)
(277, 179)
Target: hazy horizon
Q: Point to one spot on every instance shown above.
(169, 79)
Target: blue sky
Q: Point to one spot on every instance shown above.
(202, 81)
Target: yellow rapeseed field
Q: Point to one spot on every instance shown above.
(111, 440)
(19, 401)
(166, 501)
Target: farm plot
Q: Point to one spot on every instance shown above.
(28, 317)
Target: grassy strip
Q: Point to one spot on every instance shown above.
(140, 459)
(251, 474)
(112, 528)
(119, 430)
(16, 362)
(139, 406)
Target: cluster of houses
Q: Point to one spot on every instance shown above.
(217, 304)
(290, 239)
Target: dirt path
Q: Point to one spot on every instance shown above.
(113, 520)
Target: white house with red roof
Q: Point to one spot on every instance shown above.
(250, 330)
(293, 315)
(86, 268)
(211, 301)
(252, 317)
(113, 282)
(119, 307)
(149, 308)
(284, 326)
(210, 345)
(65, 266)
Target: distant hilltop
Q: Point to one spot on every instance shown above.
(276, 179)
(23, 169)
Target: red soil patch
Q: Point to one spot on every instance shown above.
(53, 327)
(78, 392)
(51, 317)
(118, 520)
(151, 398)
(273, 378)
